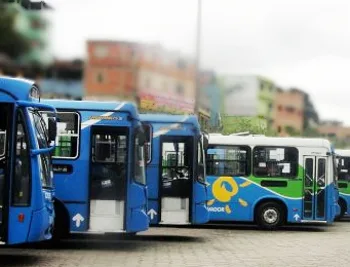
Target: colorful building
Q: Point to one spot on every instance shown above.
(248, 97)
(210, 101)
(288, 112)
(156, 79)
(32, 22)
(63, 79)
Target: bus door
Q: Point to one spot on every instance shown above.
(108, 176)
(176, 178)
(4, 124)
(314, 201)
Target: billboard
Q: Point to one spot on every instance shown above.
(240, 95)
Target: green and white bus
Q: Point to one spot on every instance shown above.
(271, 180)
(343, 160)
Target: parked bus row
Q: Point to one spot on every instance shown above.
(101, 167)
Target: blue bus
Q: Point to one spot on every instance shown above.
(271, 180)
(99, 168)
(26, 191)
(177, 190)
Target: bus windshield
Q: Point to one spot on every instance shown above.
(42, 139)
(139, 159)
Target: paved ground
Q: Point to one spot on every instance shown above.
(206, 246)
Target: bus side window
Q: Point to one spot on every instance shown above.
(275, 162)
(68, 131)
(21, 182)
(228, 160)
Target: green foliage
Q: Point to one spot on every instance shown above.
(252, 125)
(291, 131)
(12, 43)
(311, 132)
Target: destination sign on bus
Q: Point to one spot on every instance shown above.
(109, 118)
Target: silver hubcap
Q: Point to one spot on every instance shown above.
(270, 215)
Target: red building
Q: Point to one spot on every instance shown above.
(157, 79)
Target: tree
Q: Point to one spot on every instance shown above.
(246, 124)
(12, 43)
(291, 131)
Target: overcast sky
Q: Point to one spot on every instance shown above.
(296, 43)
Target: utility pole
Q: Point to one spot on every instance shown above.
(198, 40)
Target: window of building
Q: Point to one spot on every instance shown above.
(275, 162)
(279, 129)
(100, 51)
(290, 109)
(99, 77)
(179, 89)
(280, 108)
(181, 64)
(228, 160)
(147, 82)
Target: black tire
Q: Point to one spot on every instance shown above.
(342, 210)
(61, 224)
(270, 215)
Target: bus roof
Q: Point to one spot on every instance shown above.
(94, 105)
(169, 118)
(343, 152)
(17, 88)
(268, 141)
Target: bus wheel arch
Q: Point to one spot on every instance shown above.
(270, 213)
(62, 221)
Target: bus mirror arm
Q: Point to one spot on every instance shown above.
(35, 152)
(52, 131)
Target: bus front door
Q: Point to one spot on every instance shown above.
(176, 180)
(5, 110)
(108, 175)
(314, 201)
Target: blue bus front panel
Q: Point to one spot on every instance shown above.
(200, 214)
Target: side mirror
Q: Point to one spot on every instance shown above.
(205, 142)
(52, 129)
(141, 138)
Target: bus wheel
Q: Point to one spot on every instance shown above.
(61, 225)
(269, 215)
(342, 209)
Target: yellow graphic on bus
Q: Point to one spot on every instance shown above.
(224, 195)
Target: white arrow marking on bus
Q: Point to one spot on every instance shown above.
(296, 217)
(78, 219)
(152, 213)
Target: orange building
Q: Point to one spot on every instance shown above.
(334, 129)
(288, 114)
(154, 78)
